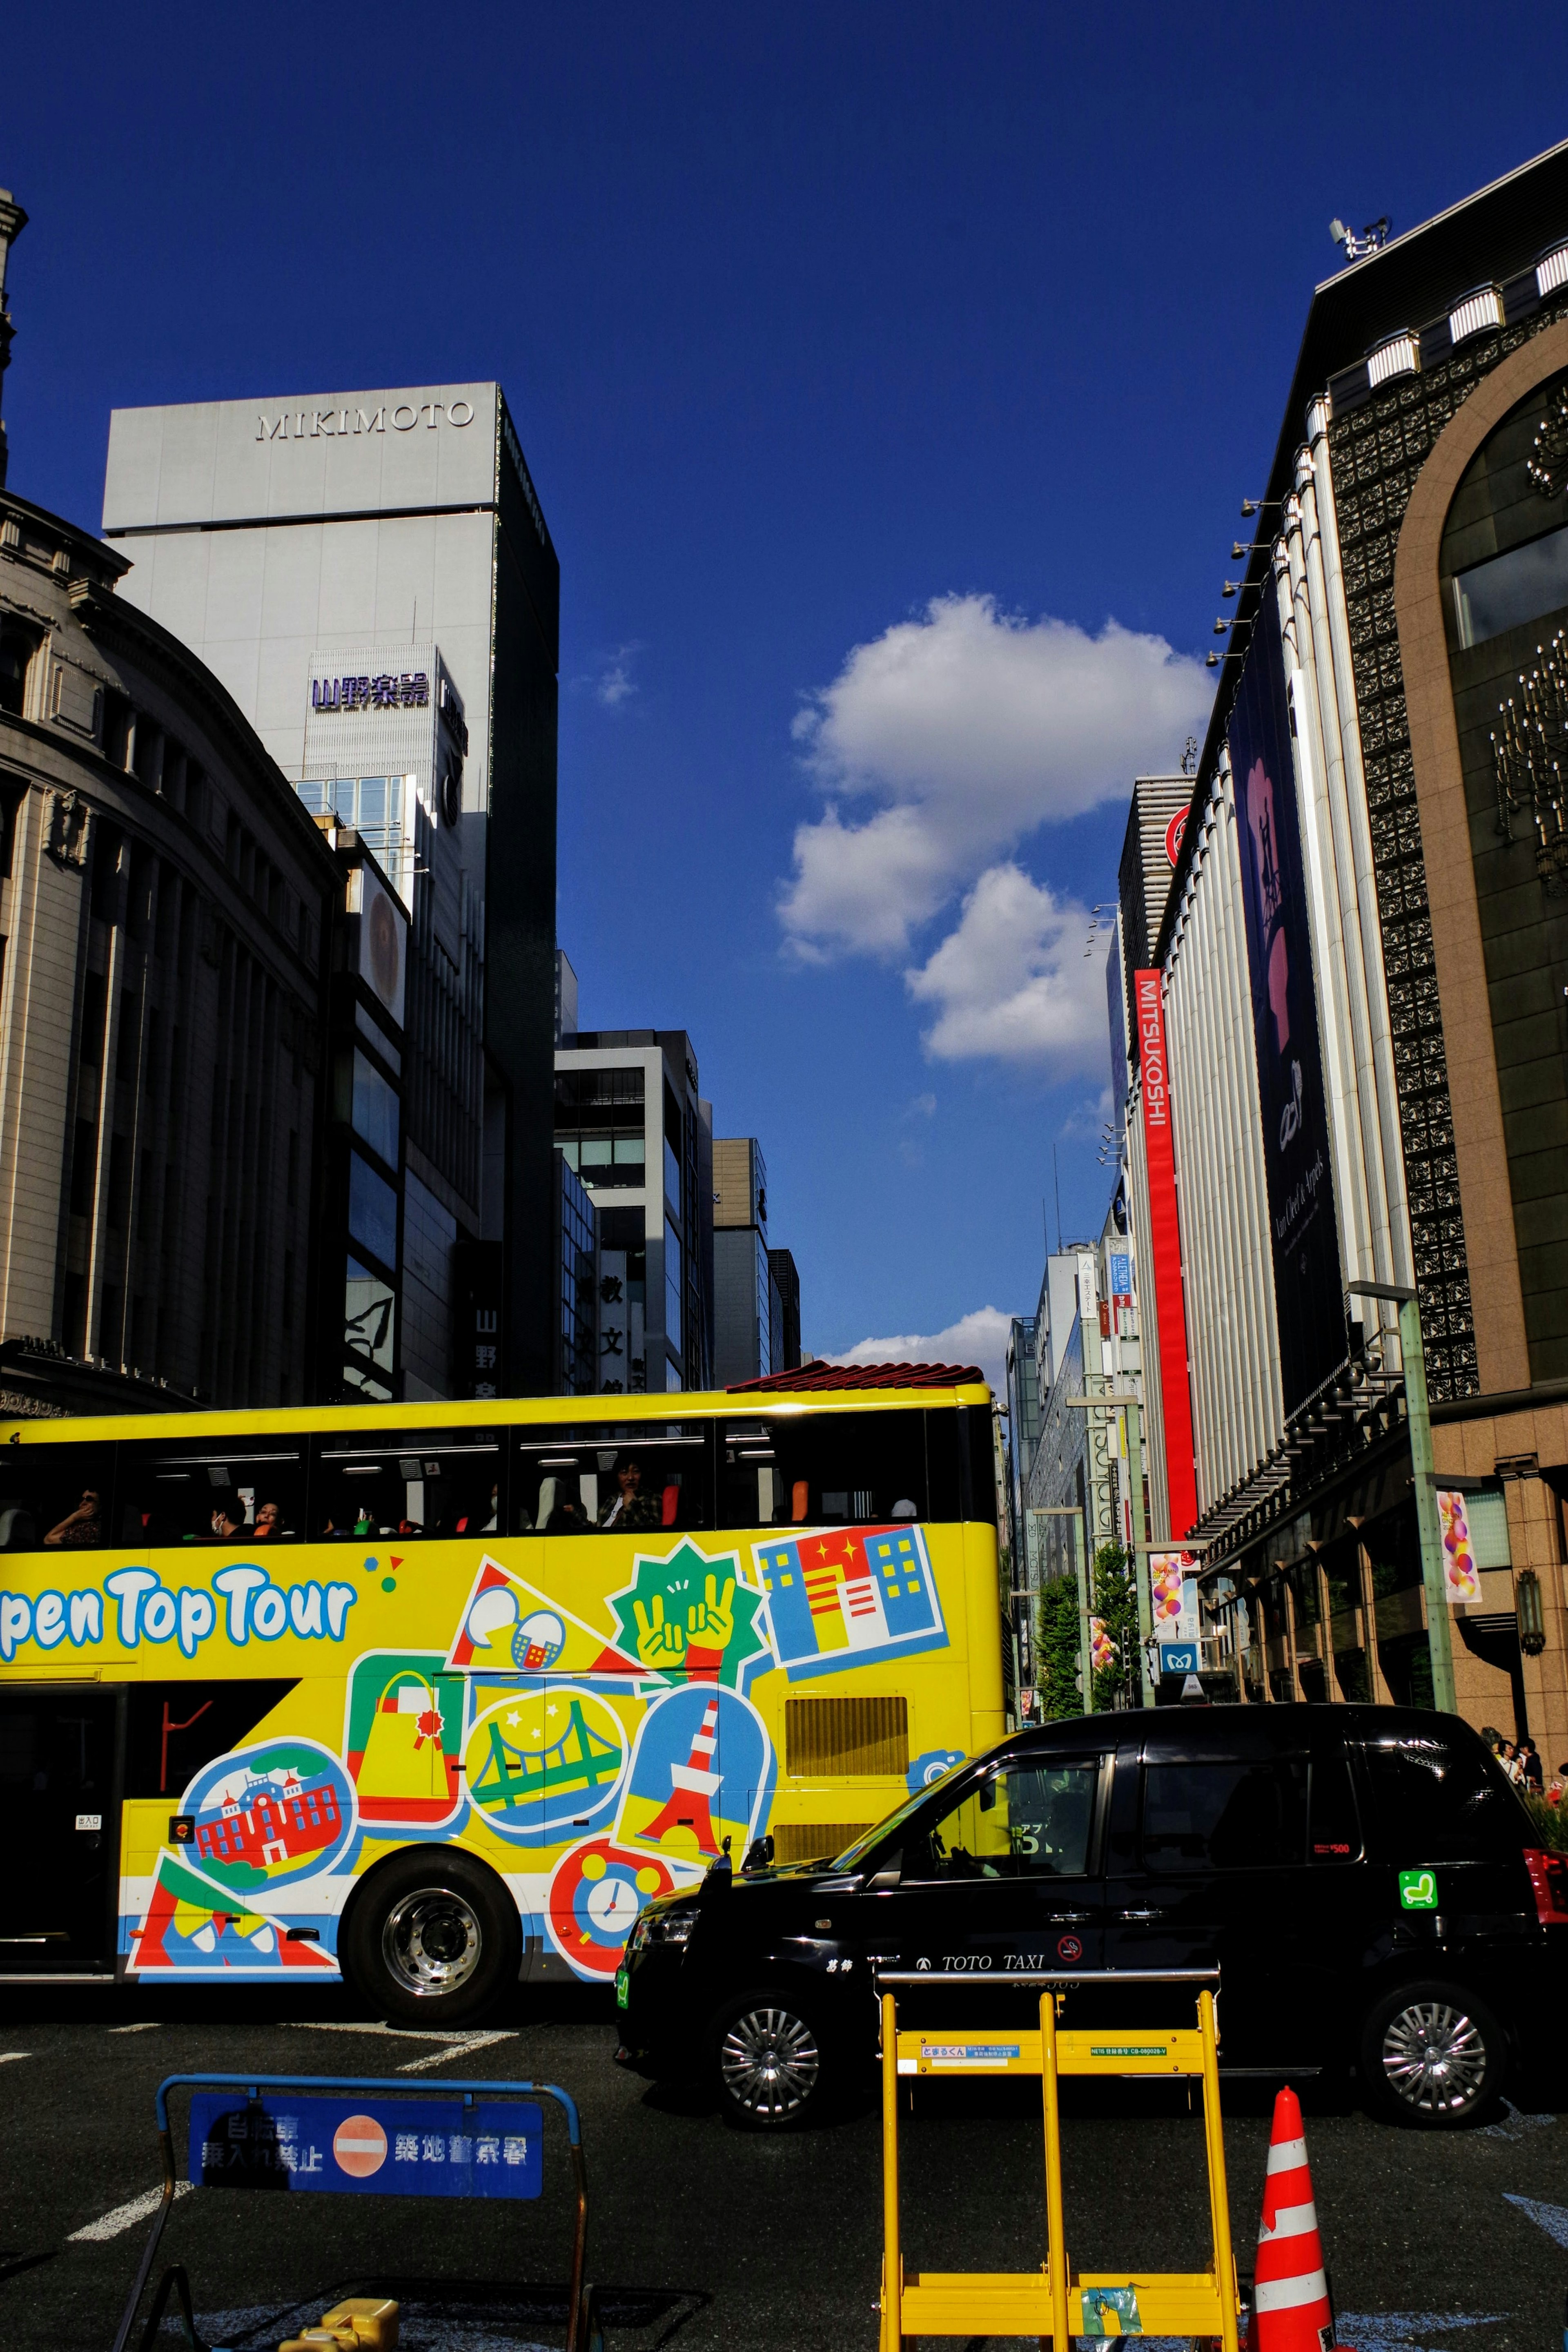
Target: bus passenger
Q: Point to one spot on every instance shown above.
(82, 1526)
(268, 1522)
(228, 1521)
(629, 1507)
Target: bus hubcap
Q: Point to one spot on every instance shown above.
(769, 2061)
(431, 1941)
(1434, 2057)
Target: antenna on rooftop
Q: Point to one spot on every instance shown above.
(1371, 239)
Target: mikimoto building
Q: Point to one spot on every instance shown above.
(370, 576)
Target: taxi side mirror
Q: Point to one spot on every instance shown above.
(888, 1876)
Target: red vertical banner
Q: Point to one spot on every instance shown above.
(1165, 1252)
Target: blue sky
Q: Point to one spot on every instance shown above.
(891, 376)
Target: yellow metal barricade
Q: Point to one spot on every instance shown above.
(1055, 2302)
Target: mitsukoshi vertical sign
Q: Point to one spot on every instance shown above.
(1308, 1284)
(1164, 1251)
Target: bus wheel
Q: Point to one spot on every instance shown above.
(434, 1938)
(769, 2062)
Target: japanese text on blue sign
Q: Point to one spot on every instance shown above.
(367, 2147)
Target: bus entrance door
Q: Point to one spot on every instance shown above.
(56, 1785)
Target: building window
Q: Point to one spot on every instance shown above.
(373, 805)
(672, 1286)
(373, 1109)
(369, 1339)
(1508, 589)
(599, 1126)
(372, 1210)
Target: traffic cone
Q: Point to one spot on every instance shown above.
(1292, 2312)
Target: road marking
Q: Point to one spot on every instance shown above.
(1516, 2124)
(398, 2033)
(125, 2217)
(7, 2054)
(149, 2025)
(1552, 2219)
(458, 2049)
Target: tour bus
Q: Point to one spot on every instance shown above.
(441, 1696)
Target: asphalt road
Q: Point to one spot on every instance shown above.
(705, 2236)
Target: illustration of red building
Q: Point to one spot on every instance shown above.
(266, 1825)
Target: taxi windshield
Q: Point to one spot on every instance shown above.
(853, 1855)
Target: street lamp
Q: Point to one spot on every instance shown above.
(1531, 1619)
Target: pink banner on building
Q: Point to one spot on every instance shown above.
(1165, 1252)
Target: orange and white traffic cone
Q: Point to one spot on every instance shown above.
(1290, 2308)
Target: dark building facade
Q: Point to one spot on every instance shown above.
(166, 906)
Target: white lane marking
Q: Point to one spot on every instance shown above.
(7, 2054)
(455, 2050)
(125, 2217)
(148, 2025)
(397, 2033)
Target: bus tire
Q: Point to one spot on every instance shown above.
(432, 1939)
(769, 2059)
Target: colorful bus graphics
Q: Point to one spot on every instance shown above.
(192, 1927)
(595, 1894)
(701, 1777)
(838, 1596)
(269, 1815)
(340, 1699)
(402, 1739)
(542, 1762)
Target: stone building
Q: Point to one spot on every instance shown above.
(166, 911)
(1356, 1036)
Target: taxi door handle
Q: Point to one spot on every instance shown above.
(1141, 1915)
(1064, 1918)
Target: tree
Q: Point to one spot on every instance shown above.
(1116, 1603)
(1056, 1649)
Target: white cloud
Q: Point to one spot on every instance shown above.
(1011, 983)
(920, 1106)
(971, 727)
(616, 683)
(980, 1337)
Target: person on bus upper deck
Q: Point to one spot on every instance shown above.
(228, 1521)
(82, 1526)
(268, 1522)
(631, 1508)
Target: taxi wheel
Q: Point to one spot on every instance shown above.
(770, 2062)
(434, 1938)
(1432, 2055)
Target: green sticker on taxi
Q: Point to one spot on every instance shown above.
(621, 1988)
(1418, 1890)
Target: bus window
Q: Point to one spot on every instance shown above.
(616, 1478)
(173, 1728)
(443, 1482)
(828, 1469)
(55, 1497)
(242, 1494)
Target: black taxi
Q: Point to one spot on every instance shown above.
(1367, 1880)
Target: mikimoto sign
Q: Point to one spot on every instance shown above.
(1164, 1250)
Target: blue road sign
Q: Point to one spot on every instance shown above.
(369, 2145)
(1178, 1658)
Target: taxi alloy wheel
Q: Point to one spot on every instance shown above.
(434, 1937)
(1433, 2055)
(769, 2065)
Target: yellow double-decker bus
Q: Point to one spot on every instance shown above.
(439, 1697)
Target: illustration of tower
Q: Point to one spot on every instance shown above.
(694, 1783)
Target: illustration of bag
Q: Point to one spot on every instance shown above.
(404, 1773)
